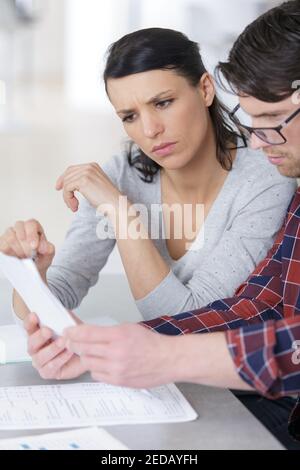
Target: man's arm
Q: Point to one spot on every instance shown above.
(257, 300)
(267, 356)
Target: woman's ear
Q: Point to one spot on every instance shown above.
(207, 89)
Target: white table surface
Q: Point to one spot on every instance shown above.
(223, 422)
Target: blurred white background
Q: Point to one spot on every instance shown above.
(53, 109)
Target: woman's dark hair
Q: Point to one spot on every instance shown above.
(264, 62)
(166, 49)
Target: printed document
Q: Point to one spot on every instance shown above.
(89, 404)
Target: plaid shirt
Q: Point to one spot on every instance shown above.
(262, 321)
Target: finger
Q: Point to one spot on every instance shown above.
(47, 354)
(38, 340)
(69, 195)
(20, 231)
(51, 369)
(71, 369)
(34, 231)
(59, 183)
(71, 201)
(88, 349)
(6, 249)
(69, 171)
(13, 246)
(90, 333)
(31, 323)
(45, 247)
(21, 236)
(60, 362)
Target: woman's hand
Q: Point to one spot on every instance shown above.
(91, 182)
(128, 355)
(49, 356)
(24, 237)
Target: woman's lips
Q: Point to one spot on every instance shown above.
(165, 149)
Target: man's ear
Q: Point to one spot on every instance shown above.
(207, 89)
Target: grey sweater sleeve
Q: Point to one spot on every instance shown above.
(76, 267)
(77, 264)
(244, 244)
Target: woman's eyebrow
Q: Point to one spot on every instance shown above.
(151, 100)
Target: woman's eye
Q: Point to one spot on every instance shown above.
(164, 104)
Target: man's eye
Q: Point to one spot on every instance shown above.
(164, 103)
(128, 118)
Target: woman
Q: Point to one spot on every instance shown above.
(183, 152)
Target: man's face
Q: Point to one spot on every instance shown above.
(285, 156)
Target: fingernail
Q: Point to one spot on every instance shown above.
(33, 244)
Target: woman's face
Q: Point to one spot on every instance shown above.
(164, 114)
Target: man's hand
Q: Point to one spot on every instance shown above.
(127, 355)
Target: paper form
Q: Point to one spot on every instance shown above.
(89, 404)
(81, 439)
(25, 278)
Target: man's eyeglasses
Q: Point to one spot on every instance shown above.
(270, 135)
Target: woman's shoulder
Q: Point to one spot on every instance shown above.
(126, 177)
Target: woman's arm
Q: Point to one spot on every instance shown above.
(143, 264)
(236, 254)
(78, 262)
(157, 290)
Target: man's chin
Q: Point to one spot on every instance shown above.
(289, 172)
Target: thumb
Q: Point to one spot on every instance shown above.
(59, 183)
(45, 247)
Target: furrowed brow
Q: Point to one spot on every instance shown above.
(151, 100)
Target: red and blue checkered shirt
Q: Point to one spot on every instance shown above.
(262, 321)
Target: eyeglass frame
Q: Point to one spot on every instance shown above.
(252, 130)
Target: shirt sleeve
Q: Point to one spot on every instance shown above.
(267, 356)
(239, 250)
(264, 346)
(259, 298)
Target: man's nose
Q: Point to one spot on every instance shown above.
(256, 143)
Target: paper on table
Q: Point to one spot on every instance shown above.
(13, 344)
(89, 404)
(25, 278)
(81, 439)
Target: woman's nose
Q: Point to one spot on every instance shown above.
(152, 126)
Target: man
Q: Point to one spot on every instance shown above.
(253, 340)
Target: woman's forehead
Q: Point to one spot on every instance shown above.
(145, 85)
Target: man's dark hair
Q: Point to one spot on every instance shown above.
(264, 62)
(166, 49)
